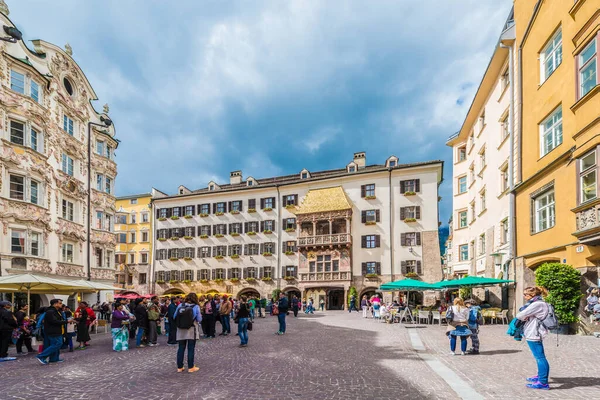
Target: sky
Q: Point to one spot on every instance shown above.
(198, 89)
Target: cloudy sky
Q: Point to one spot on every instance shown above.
(201, 88)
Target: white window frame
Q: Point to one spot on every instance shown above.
(555, 130)
(585, 172)
(28, 190)
(100, 147)
(552, 50)
(463, 250)
(64, 249)
(68, 164)
(68, 125)
(482, 244)
(66, 213)
(584, 65)
(460, 191)
(460, 219)
(548, 209)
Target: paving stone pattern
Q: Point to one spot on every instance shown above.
(331, 355)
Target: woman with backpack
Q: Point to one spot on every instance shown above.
(458, 318)
(187, 317)
(534, 312)
(242, 314)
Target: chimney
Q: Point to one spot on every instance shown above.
(235, 177)
(360, 159)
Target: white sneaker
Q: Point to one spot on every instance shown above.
(452, 353)
(462, 353)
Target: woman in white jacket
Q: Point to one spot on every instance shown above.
(460, 318)
(533, 313)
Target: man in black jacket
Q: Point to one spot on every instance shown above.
(283, 306)
(141, 317)
(8, 322)
(54, 329)
(171, 318)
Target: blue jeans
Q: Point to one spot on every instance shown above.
(226, 323)
(281, 318)
(243, 330)
(537, 349)
(53, 348)
(251, 314)
(463, 343)
(138, 337)
(191, 347)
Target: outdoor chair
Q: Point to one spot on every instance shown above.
(437, 315)
(502, 316)
(423, 315)
(101, 323)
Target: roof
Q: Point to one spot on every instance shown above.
(321, 200)
(134, 196)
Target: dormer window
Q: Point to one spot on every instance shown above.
(392, 163)
(352, 168)
(180, 191)
(304, 175)
(250, 183)
(211, 187)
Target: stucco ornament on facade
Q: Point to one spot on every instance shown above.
(103, 164)
(70, 270)
(25, 212)
(40, 265)
(587, 219)
(102, 273)
(105, 238)
(61, 67)
(103, 200)
(70, 229)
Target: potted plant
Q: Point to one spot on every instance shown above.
(250, 280)
(234, 212)
(564, 291)
(218, 235)
(173, 281)
(267, 254)
(162, 239)
(234, 280)
(203, 280)
(188, 237)
(203, 236)
(174, 237)
(410, 220)
(187, 258)
(290, 230)
(251, 233)
(219, 257)
(289, 278)
(409, 193)
(370, 197)
(234, 234)
(188, 216)
(267, 279)
(203, 215)
(218, 281)
(174, 217)
(160, 281)
(371, 276)
(218, 214)
(267, 231)
(251, 210)
(290, 206)
(187, 281)
(370, 223)
(235, 256)
(411, 275)
(162, 219)
(289, 253)
(268, 209)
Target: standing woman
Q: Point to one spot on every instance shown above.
(242, 317)
(187, 317)
(533, 313)
(364, 304)
(119, 328)
(83, 333)
(460, 318)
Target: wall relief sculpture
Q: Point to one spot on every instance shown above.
(70, 270)
(104, 274)
(39, 265)
(38, 216)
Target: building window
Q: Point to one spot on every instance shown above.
(304, 175)
(370, 216)
(133, 218)
(142, 277)
(462, 219)
(290, 270)
(504, 178)
(24, 243)
(162, 213)
(122, 238)
(482, 162)
(17, 82)
(145, 236)
(205, 230)
(25, 189)
(368, 190)
(462, 153)
(504, 232)
(269, 247)
(204, 252)
(121, 219)
(67, 252)
(351, 168)
(588, 78)
(410, 186)
(370, 241)
(268, 225)
(161, 254)
(588, 177)
(211, 187)
(252, 226)
(133, 201)
(473, 212)
(176, 212)
(482, 244)
(17, 242)
(462, 184)
(189, 210)
(17, 187)
(35, 91)
(471, 140)
(17, 133)
(108, 188)
(290, 200)
(144, 217)
(189, 252)
(132, 236)
(235, 250)
(371, 267)
(505, 79)
(269, 202)
(464, 252)
(551, 132)
(411, 212)
(289, 223)
(132, 259)
(100, 182)
(220, 207)
(252, 249)
(551, 56)
(99, 259)
(68, 125)
(482, 121)
(544, 212)
(99, 147)
(267, 272)
(504, 128)
(67, 164)
(67, 210)
(392, 163)
(482, 203)
(472, 249)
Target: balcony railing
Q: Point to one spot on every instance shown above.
(336, 238)
(324, 276)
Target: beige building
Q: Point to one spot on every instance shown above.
(314, 234)
(57, 168)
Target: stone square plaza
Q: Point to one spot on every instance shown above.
(328, 355)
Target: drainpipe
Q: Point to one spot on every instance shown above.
(391, 227)
(152, 281)
(279, 201)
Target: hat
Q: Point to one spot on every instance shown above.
(5, 303)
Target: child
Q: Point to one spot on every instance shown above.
(475, 319)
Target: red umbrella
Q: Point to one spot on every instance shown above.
(129, 296)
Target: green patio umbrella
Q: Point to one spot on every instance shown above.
(408, 284)
(470, 281)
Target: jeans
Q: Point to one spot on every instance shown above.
(138, 338)
(251, 314)
(226, 323)
(321, 306)
(281, 318)
(463, 343)
(53, 349)
(537, 349)
(243, 330)
(191, 347)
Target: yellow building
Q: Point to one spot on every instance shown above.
(557, 200)
(133, 255)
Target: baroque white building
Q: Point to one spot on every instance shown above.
(314, 233)
(57, 167)
(484, 151)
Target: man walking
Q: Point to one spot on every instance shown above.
(295, 305)
(352, 304)
(8, 322)
(54, 329)
(172, 331)
(225, 310)
(283, 306)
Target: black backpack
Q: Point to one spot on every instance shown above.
(185, 317)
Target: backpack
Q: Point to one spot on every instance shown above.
(549, 321)
(473, 316)
(185, 317)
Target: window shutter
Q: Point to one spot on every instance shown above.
(532, 216)
(158, 213)
(274, 247)
(363, 216)
(377, 216)
(364, 268)
(295, 199)
(419, 269)
(363, 191)
(245, 227)
(214, 208)
(363, 242)
(274, 225)
(245, 273)
(418, 212)
(403, 239)
(295, 225)
(252, 203)
(403, 267)
(241, 205)
(229, 206)
(378, 268)
(214, 251)
(262, 204)
(260, 272)
(274, 200)
(245, 249)
(402, 214)
(262, 226)
(229, 248)
(182, 211)
(417, 185)
(377, 241)
(418, 238)
(214, 274)
(262, 248)
(402, 187)
(169, 212)
(295, 247)
(283, 224)
(283, 202)
(228, 273)
(283, 247)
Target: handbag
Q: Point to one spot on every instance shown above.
(449, 315)
(249, 325)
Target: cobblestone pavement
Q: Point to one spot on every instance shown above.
(332, 355)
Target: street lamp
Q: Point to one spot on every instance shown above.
(14, 35)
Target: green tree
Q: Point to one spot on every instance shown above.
(564, 289)
(275, 294)
(351, 292)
